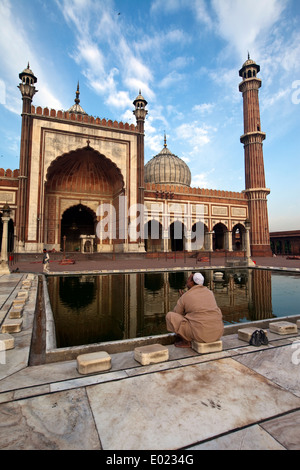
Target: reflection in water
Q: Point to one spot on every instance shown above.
(92, 309)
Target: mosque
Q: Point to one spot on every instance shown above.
(82, 185)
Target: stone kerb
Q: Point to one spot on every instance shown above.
(93, 362)
(6, 342)
(283, 328)
(151, 354)
(244, 334)
(206, 348)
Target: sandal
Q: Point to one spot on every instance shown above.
(263, 338)
(255, 339)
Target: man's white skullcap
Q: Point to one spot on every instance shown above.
(198, 279)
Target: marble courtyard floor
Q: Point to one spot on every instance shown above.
(243, 397)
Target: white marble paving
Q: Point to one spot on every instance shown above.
(251, 438)
(176, 408)
(88, 380)
(286, 429)
(60, 421)
(182, 402)
(281, 365)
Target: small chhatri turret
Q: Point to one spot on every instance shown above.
(140, 111)
(26, 86)
(76, 108)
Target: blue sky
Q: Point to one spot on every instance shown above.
(185, 56)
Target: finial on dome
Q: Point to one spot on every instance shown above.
(248, 55)
(76, 108)
(165, 140)
(77, 100)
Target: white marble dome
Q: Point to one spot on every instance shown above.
(167, 168)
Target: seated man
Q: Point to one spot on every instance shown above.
(196, 315)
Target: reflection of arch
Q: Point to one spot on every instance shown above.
(154, 282)
(153, 236)
(85, 289)
(219, 236)
(177, 236)
(77, 220)
(238, 237)
(178, 280)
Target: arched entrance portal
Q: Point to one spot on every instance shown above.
(77, 221)
(219, 237)
(153, 236)
(238, 237)
(77, 184)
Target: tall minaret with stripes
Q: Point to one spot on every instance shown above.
(255, 185)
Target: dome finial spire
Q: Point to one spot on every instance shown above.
(165, 140)
(77, 100)
(76, 108)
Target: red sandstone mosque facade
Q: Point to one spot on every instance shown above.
(82, 183)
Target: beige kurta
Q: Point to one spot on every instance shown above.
(196, 316)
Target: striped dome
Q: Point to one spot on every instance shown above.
(167, 168)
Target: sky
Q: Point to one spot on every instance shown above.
(185, 57)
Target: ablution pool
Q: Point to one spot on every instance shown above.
(88, 309)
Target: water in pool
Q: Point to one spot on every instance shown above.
(92, 309)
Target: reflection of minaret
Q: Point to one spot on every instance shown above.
(260, 301)
(252, 139)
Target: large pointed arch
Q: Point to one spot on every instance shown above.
(81, 176)
(84, 170)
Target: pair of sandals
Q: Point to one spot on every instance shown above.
(258, 338)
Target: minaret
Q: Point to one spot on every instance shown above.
(255, 186)
(140, 113)
(27, 90)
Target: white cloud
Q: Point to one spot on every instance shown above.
(2, 92)
(201, 180)
(153, 143)
(245, 24)
(169, 6)
(275, 97)
(198, 7)
(119, 99)
(204, 108)
(194, 135)
(171, 79)
(16, 43)
(90, 54)
(105, 47)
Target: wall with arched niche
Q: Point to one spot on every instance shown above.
(84, 178)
